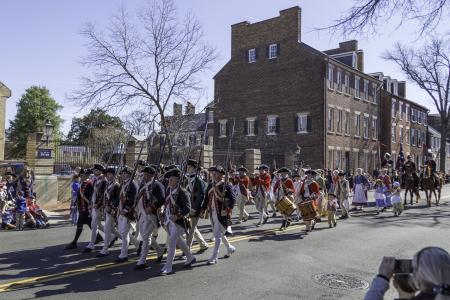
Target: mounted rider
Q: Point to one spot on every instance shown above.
(431, 164)
(387, 163)
(409, 168)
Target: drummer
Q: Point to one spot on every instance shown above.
(309, 191)
(284, 187)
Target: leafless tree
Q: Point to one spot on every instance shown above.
(429, 68)
(156, 59)
(368, 15)
(139, 122)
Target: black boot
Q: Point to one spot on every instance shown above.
(73, 245)
(98, 239)
(283, 224)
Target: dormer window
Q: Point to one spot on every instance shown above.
(251, 55)
(273, 51)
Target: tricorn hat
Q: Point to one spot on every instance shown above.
(218, 168)
(312, 172)
(110, 170)
(175, 172)
(242, 169)
(98, 167)
(149, 169)
(127, 170)
(284, 170)
(263, 167)
(193, 163)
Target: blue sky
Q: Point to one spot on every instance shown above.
(41, 45)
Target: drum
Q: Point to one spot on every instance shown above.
(285, 206)
(308, 209)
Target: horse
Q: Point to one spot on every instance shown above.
(411, 186)
(430, 186)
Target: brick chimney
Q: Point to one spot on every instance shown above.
(177, 109)
(284, 29)
(402, 89)
(348, 46)
(190, 109)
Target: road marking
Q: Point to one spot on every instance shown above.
(11, 286)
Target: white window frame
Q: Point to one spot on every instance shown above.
(374, 127)
(347, 83)
(223, 128)
(366, 126)
(339, 120)
(394, 133)
(407, 135)
(272, 124)
(273, 51)
(330, 118)
(302, 116)
(407, 113)
(357, 124)
(339, 80)
(374, 87)
(393, 110)
(348, 119)
(400, 110)
(357, 88)
(251, 55)
(366, 89)
(250, 120)
(412, 133)
(210, 117)
(330, 76)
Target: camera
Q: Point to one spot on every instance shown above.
(403, 266)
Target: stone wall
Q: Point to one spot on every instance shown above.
(64, 188)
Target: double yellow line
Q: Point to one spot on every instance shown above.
(11, 286)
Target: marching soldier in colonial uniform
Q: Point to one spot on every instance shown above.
(322, 200)
(309, 191)
(261, 189)
(176, 222)
(83, 202)
(220, 202)
(128, 192)
(196, 188)
(111, 204)
(99, 184)
(151, 197)
(242, 182)
(342, 192)
(284, 187)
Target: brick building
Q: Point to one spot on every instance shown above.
(403, 122)
(282, 95)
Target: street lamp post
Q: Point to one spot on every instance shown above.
(48, 131)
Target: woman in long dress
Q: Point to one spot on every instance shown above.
(359, 187)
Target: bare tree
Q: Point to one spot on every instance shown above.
(139, 122)
(156, 59)
(429, 68)
(367, 15)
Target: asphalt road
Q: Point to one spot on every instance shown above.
(34, 264)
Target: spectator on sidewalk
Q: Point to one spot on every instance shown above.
(430, 276)
(21, 209)
(73, 203)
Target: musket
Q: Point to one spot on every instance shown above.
(227, 176)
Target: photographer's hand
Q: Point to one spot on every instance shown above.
(387, 267)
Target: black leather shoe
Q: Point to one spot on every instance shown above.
(71, 246)
(189, 264)
(139, 249)
(140, 267)
(121, 260)
(112, 242)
